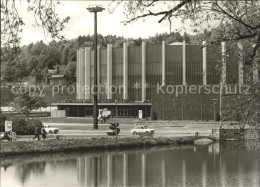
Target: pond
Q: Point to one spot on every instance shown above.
(220, 164)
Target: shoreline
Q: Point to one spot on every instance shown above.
(71, 145)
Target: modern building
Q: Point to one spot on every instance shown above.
(133, 74)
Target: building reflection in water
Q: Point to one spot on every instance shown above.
(109, 170)
(225, 165)
(203, 166)
(163, 173)
(23, 171)
(183, 173)
(204, 173)
(143, 169)
(125, 170)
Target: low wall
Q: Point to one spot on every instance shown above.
(58, 113)
(239, 134)
(184, 106)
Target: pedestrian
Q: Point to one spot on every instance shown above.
(7, 136)
(44, 133)
(37, 133)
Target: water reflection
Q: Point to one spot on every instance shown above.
(23, 171)
(224, 164)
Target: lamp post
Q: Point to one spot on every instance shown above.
(146, 110)
(95, 9)
(116, 101)
(214, 100)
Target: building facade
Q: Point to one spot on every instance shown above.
(130, 73)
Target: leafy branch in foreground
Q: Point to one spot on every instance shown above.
(12, 21)
(240, 19)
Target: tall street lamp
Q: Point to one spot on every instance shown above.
(95, 9)
(116, 101)
(215, 101)
(146, 110)
(215, 119)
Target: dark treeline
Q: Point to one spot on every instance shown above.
(40, 58)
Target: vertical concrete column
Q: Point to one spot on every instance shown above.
(184, 63)
(98, 70)
(81, 72)
(87, 72)
(204, 63)
(77, 76)
(224, 65)
(163, 63)
(109, 70)
(143, 71)
(125, 71)
(240, 65)
(125, 170)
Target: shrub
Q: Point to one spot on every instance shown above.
(32, 123)
(21, 126)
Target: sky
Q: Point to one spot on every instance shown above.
(82, 22)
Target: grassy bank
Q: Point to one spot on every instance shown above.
(49, 146)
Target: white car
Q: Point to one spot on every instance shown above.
(141, 129)
(50, 129)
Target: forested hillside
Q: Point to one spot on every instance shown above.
(38, 58)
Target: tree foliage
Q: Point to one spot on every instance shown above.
(239, 19)
(44, 16)
(27, 100)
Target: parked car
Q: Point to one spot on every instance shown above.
(50, 129)
(141, 129)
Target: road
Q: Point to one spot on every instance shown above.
(83, 128)
(174, 128)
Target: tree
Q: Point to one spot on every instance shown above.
(71, 69)
(12, 23)
(186, 37)
(44, 16)
(27, 100)
(65, 55)
(238, 22)
(239, 18)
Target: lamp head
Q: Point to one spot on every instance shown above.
(95, 8)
